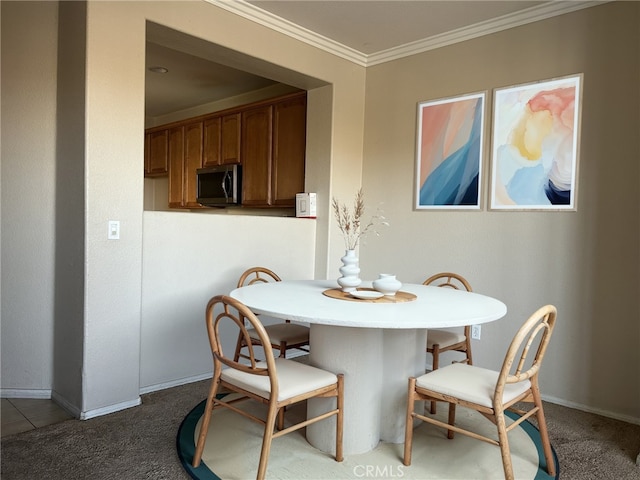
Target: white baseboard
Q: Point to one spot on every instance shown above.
(24, 393)
(175, 383)
(597, 411)
(72, 409)
(62, 402)
(98, 412)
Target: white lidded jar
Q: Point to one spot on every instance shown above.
(387, 284)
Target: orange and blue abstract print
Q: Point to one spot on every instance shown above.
(450, 134)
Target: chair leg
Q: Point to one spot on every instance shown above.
(266, 440)
(408, 428)
(436, 365)
(436, 357)
(544, 433)
(204, 428)
(503, 439)
(340, 418)
(283, 354)
(280, 419)
(451, 419)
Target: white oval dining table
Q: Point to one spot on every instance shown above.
(377, 346)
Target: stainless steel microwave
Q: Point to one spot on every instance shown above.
(219, 186)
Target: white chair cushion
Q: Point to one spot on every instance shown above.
(444, 338)
(470, 383)
(290, 333)
(294, 378)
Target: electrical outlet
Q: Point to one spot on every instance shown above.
(476, 331)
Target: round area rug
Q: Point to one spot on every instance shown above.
(233, 445)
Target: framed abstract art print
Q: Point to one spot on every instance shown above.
(449, 152)
(535, 143)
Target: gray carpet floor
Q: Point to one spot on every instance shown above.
(140, 443)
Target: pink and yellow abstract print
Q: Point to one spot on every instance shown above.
(535, 144)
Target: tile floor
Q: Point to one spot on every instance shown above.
(22, 414)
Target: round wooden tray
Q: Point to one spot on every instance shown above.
(399, 297)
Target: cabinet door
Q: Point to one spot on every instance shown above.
(156, 159)
(230, 136)
(289, 146)
(221, 140)
(212, 142)
(256, 156)
(192, 161)
(176, 167)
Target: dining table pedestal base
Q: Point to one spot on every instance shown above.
(376, 363)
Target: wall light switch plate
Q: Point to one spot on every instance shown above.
(306, 205)
(114, 230)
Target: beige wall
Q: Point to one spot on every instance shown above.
(585, 262)
(29, 44)
(185, 265)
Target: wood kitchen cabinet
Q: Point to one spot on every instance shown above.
(222, 140)
(289, 147)
(268, 138)
(193, 136)
(185, 157)
(176, 167)
(273, 152)
(256, 155)
(156, 153)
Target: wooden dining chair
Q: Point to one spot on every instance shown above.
(282, 336)
(275, 382)
(439, 340)
(491, 392)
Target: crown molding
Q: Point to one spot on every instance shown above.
(279, 24)
(523, 17)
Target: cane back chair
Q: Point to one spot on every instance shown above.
(282, 336)
(491, 392)
(440, 340)
(276, 382)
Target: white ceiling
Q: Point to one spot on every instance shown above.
(365, 32)
(369, 27)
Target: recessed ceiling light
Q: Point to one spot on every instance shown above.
(158, 69)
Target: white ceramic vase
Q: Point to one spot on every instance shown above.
(387, 284)
(350, 271)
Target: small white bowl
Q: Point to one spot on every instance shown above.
(366, 294)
